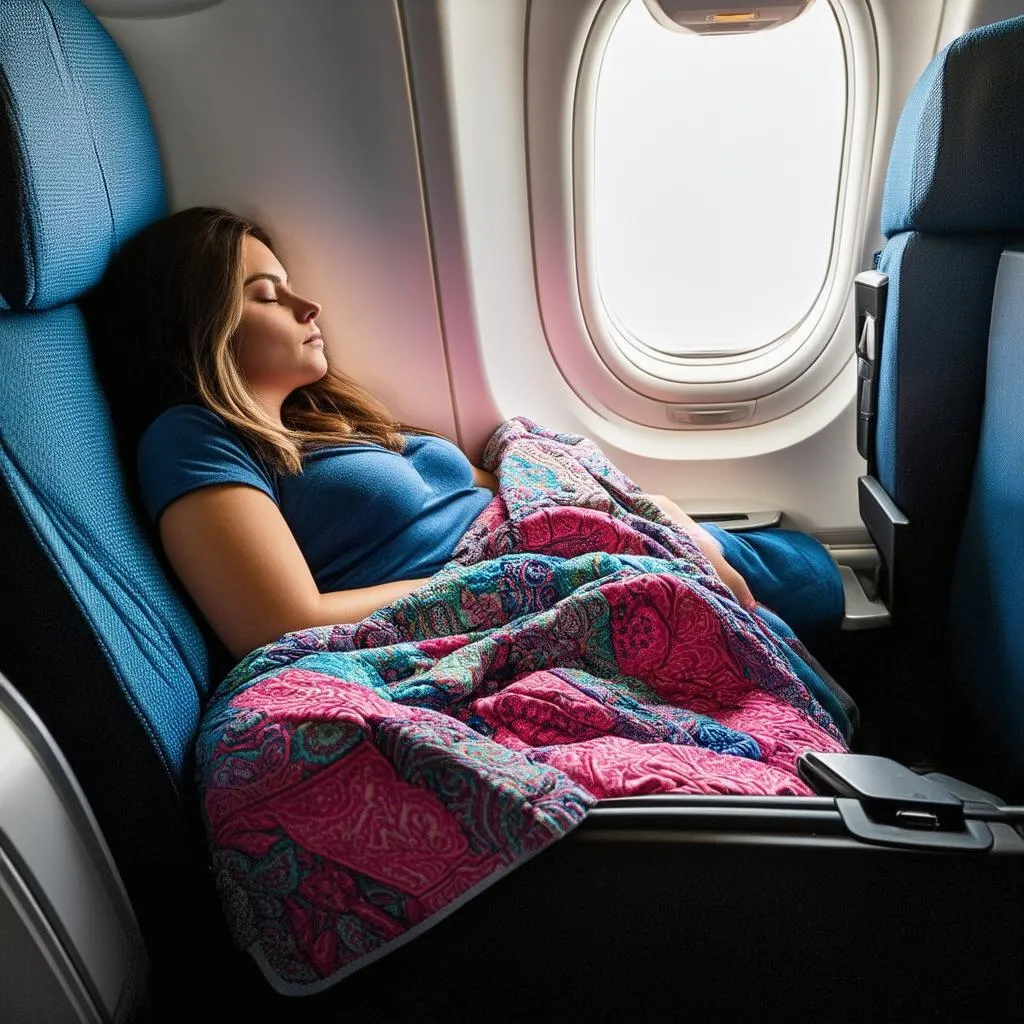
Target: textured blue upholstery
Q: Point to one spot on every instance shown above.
(931, 374)
(953, 197)
(58, 460)
(988, 587)
(90, 166)
(947, 449)
(955, 161)
(81, 176)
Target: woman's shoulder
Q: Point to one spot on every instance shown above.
(186, 427)
(187, 417)
(190, 446)
(195, 434)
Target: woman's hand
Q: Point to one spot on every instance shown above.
(711, 550)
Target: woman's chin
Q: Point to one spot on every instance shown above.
(319, 368)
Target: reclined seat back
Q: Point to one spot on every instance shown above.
(95, 637)
(954, 201)
(988, 582)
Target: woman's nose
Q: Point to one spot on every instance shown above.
(307, 310)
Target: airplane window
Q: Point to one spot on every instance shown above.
(716, 171)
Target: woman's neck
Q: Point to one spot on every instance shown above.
(271, 405)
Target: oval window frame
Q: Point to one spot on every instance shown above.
(564, 47)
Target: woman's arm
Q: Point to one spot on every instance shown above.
(481, 478)
(236, 556)
(712, 551)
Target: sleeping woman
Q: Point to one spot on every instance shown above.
(285, 496)
(360, 781)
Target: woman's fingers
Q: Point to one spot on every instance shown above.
(726, 573)
(712, 551)
(737, 584)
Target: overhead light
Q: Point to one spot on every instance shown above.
(703, 17)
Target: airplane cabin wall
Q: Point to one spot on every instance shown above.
(805, 464)
(985, 12)
(383, 143)
(298, 115)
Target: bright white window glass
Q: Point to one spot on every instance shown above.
(716, 175)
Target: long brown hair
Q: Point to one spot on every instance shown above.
(164, 320)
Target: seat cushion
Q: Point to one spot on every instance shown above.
(100, 643)
(87, 166)
(988, 587)
(955, 161)
(931, 382)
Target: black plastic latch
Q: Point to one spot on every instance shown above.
(888, 527)
(870, 291)
(881, 801)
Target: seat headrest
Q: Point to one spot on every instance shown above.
(958, 155)
(79, 166)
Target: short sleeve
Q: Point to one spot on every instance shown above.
(189, 447)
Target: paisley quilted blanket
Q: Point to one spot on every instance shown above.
(361, 781)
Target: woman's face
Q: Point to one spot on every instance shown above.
(278, 342)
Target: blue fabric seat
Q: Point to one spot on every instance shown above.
(99, 641)
(946, 438)
(96, 639)
(988, 579)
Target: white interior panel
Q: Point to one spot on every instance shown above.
(771, 380)
(298, 115)
(805, 463)
(967, 14)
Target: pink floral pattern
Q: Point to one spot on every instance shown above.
(359, 781)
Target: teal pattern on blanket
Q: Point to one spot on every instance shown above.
(361, 781)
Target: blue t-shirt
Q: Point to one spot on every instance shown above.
(361, 514)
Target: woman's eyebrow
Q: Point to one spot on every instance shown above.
(264, 277)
